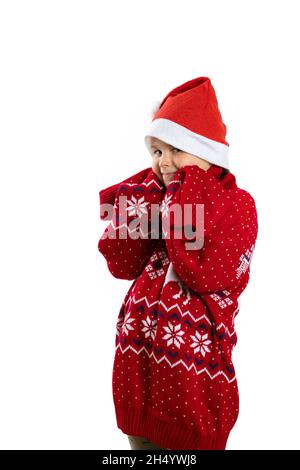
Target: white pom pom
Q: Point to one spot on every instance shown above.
(154, 107)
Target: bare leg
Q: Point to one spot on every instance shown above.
(141, 443)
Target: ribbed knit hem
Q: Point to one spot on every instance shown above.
(162, 432)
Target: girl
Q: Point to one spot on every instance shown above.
(174, 383)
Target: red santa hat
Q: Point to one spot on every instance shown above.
(189, 119)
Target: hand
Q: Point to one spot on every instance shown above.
(159, 175)
(168, 178)
(203, 164)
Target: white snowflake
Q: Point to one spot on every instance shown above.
(164, 207)
(126, 324)
(201, 343)
(137, 207)
(119, 326)
(173, 335)
(150, 327)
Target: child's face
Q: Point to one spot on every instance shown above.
(166, 160)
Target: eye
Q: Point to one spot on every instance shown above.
(174, 148)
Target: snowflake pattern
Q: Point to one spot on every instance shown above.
(165, 205)
(200, 343)
(126, 324)
(137, 206)
(174, 334)
(119, 326)
(150, 327)
(156, 263)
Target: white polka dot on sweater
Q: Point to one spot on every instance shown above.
(175, 330)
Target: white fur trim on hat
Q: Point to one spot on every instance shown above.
(188, 141)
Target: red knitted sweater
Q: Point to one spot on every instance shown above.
(173, 378)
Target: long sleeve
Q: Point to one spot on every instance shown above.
(230, 231)
(129, 239)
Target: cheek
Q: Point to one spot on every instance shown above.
(181, 159)
(154, 164)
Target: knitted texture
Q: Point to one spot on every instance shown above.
(173, 379)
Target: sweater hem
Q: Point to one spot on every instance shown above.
(166, 434)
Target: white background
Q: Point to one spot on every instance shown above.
(76, 83)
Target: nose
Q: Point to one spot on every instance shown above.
(165, 160)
